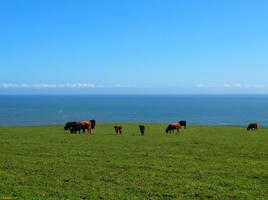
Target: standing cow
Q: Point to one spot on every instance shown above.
(70, 125)
(173, 126)
(183, 123)
(118, 129)
(142, 129)
(81, 125)
(93, 122)
(252, 126)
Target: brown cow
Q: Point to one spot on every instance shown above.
(142, 129)
(173, 126)
(81, 125)
(252, 126)
(118, 129)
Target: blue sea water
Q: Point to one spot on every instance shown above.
(234, 110)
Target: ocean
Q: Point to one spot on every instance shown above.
(223, 110)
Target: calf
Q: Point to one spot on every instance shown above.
(118, 129)
(142, 129)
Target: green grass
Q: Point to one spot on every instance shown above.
(200, 162)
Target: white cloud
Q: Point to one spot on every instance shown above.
(87, 85)
(44, 86)
(4, 85)
(127, 86)
(75, 85)
(118, 86)
(238, 85)
(227, 85)
(259, 86)
(68, 85)
(202, 86)
(24, 85)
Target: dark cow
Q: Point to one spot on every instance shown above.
(69, 125)
(93, 122)
(183, 123)
(173, 126)
(81, 125)
(142, 129)
(118, 129)
(252, 126)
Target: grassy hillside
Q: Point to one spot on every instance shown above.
(47, 162)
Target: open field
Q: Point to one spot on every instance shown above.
(200, 162)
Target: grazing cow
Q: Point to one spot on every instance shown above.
(252, 126)
(183, 123)
(81, 125)
(173, 126)
(142, 129)
(118, 129)
(93, 122)
(69, 126)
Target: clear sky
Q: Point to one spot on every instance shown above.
(133, 47)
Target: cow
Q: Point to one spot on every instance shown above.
(173, 126)
(81, 125)
(118, 129)
(93, 122)
(69, 126)
(183, 123)
(252, 126)
(142, 129)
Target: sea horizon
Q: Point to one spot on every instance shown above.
(196, 109)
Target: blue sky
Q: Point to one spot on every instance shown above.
(133, 47)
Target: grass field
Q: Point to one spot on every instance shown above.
(200, 162)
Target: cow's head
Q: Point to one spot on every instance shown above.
(72, 130)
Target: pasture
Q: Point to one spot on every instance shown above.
(200, 162)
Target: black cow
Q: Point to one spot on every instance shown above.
(93, 122)
(142, 129)
(69, 126)
(183, 123)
